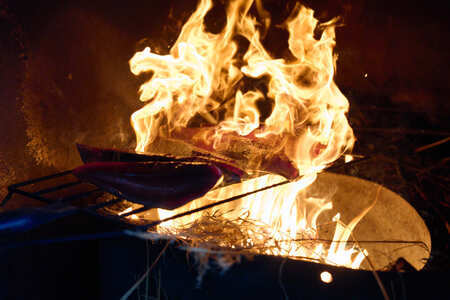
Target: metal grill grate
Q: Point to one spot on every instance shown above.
(74, 192)
(67, 182)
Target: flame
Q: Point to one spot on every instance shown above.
(201, 79)
(127, 210)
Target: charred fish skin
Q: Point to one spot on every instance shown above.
(166, 185)
(88, 154)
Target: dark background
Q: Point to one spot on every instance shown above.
(64, 78)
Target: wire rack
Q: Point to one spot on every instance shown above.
(65, 190)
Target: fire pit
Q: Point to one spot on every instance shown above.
(380, 222)
(225, 93)
(390, 248)
(273, 117)
(274, 112)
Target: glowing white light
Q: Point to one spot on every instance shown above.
(337, 217)
(127, 210)
(348, 158)
(326, 277)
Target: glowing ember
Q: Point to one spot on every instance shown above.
(200, 82)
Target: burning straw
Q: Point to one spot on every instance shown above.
(225, 233)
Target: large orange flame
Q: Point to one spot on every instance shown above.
(200, 78)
